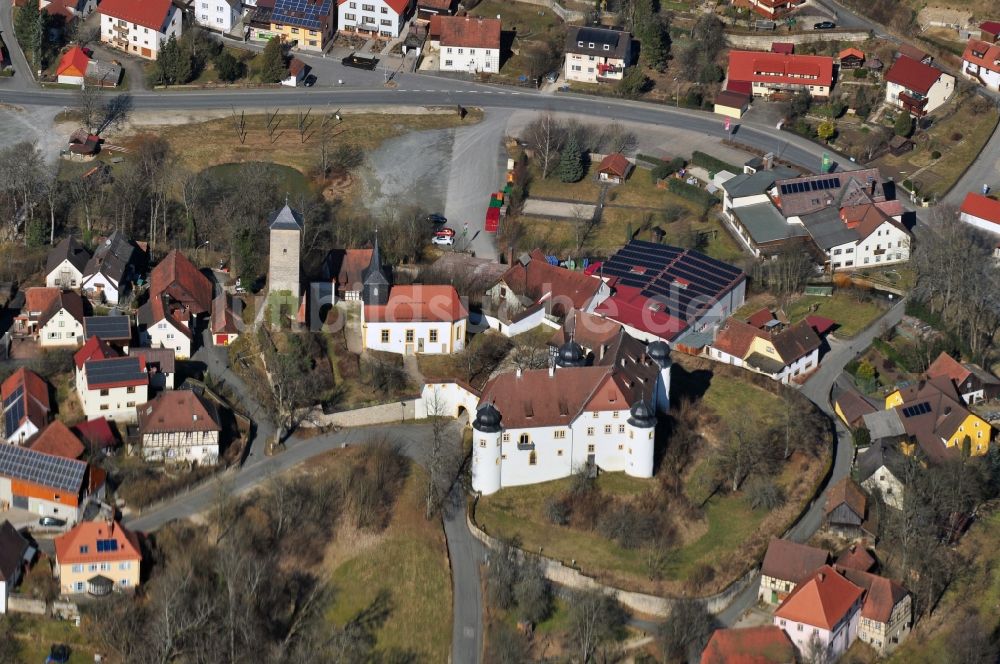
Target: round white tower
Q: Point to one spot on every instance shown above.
(486, 437)
(641, 440)
(659, 352)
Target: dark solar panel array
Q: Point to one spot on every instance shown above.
(106, 545)
(113, 370)
(671, 275)
(920, 409)
(106, 327)
(303, 13)
(44, 469)
(810, 185)
(13, 410)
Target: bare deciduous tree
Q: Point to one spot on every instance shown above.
(545, 136)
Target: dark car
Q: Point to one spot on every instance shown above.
(824, 25)
(51, 521)
(309, 81)
(437, 219)
(360, 62)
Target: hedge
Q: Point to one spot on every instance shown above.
(692, 193)
(667, 168)
(712, 164)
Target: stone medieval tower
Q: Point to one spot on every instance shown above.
(286, 242)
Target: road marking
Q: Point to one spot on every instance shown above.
(487, 92)
(469, 632)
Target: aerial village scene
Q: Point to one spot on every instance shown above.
(500, 331)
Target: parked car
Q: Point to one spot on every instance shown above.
(437, 219)
(445, 232)
(552, 76)
(309, 81)
(824, 25)
(360, 62)
(443, 240)
(52, 521)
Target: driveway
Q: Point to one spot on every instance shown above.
(135, 73)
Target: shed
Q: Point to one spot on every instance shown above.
(614, 168)
(104, 74)
(84, 143)
(732, 104)
(785, 48)
(899, 145)
(851, 58)
(846, 507)
(73, 66)
(296, 73)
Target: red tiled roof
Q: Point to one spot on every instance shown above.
(630, 307)
(912, 74)
(977, 205)
(419, 302)
(94, 349)
(881, 594)
(398, 6)
(86, 534)
(223, 319)
(785, 48)
(296, 66)
(615, 164)
(70, 301)
(763, 67)
(57, 439)
(767, 644)
(159, 310)
(35, 394)
(846, 491)
(847, 52)
(434, 29)
(39, 298)
(856, 557)
(150, 14)
(760, 318)
(182, 281)
(470, 32)
(893, 208)
(820, 324)
(791, 561)
(538, 279)
(176, 411)
(740, 87)
(96, 432)
(347, 266)
(735, 337)
(821, 601)
(912, 52)
(992, 27)
(946, 365)
(73, 63)
(988, 59)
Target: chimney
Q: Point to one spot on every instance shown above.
(768, 161)
(854, 547)
(821, 576)
(871, 186)
(518, 373)
(604, 348)
(552, 369)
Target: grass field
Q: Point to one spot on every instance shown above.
(851, 315)
(526, 21)
(409, 564)
(39, 634)
(586, 190)
(731, 395)
(203, 144)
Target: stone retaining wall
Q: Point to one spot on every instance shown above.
(652, 605)
(763, 40)
(386, 413)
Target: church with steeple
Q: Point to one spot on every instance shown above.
(284, 262)
(374, 283)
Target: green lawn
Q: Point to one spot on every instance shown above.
(411, 565)
(728, 395)
(586, 190)
(39, 634)
(527, 21)
(730, 523)
(851, 315)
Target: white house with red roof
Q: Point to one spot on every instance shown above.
(72, 70)
(917, 87)
(97, 557)
(982, 212)
(779, 73)
(378, 18)
(26, 405)
(419, 318)
(821, 615)
(582, 412)
(139, 27)
(468, 44)
(166, 324)
(107, 384)
(981, 63)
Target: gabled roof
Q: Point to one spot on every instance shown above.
(346, 267)
(946, 365)
(115, 258)
(310, 14)
(589, 330)
(157, 309)
(851, 52)
(761, 67)
(96, 433)
(579, 40)
(535, 278)
(39, 299)
(419, 302)
(912, 74)
(80, 545)
(931, 413)
(177, 277)
(69, 301)
(992, 27)
(69, 249)
(115, 372)
(822, 600)
(73, 63)
(795, 341)
(767, 644)
(94, 348)
(150, 14)
(883, 424)
(791, 561)
(857, 558)
(470, 32)
(57, 439)
(881, 594)
(47, 470)
(13, 548)
(25, 398)
(984, 54)
(177, 411)
(286, 219)
(981, 207)
(785, 48)
(760, 318)
(109, 328)
(846, 491)
(162, 359)
(615, 164)
(398, 6)
(223, 319)
(735, 337)
(877, 456)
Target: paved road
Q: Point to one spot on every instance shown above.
(464, 551)
(817, 389)
(22, 78)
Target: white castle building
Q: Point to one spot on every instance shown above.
(589, 410)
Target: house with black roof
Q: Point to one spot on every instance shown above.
(594, 55)
(883, 470)
(65, 264)
(115, 330)
(15, 553)
(114, 267)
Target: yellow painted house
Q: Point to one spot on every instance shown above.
(96, 557)
(309, 23)
(936, 418)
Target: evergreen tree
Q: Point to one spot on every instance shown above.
(29, 26)
(633, 83)
(173, 64)
(270, 64)
(904, 125)
(228, 67)
(653, 33)
(571, 162)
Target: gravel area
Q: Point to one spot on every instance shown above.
(33, 123)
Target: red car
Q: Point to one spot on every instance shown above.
(445, 232)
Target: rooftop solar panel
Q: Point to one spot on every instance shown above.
(107, 327)
(13, 396)
(114, 370)
(45, 469)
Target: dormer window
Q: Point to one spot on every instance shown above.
(607, 47)
(590, 45)
(580, 44)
